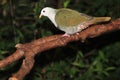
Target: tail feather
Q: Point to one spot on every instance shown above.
(100, 19)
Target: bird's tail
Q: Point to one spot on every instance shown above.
(100, 19)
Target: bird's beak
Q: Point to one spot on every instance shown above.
(40, 16)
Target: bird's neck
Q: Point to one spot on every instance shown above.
(52, 17)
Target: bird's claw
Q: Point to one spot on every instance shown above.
(66, 35)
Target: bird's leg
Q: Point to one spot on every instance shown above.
(66, 35)
(77, 33)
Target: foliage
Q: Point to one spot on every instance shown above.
(96, 59)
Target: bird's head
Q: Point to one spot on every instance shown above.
(47, 11)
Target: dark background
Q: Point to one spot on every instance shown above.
(96, 59)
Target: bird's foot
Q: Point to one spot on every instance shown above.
(77, 33)
(66, 35)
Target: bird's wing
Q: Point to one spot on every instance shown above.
(68, 18)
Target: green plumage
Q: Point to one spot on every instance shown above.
(67, 17)
(71, 21)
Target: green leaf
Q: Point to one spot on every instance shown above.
(110, 68)
(66, 3)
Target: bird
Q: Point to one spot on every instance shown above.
(70, 21)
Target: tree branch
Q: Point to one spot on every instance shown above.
(29, 50)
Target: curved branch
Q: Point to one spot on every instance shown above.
(29, 50)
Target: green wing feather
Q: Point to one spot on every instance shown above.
(68, 18)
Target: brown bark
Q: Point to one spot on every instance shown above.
(29, 50)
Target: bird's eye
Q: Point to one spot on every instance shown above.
(43, 11)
